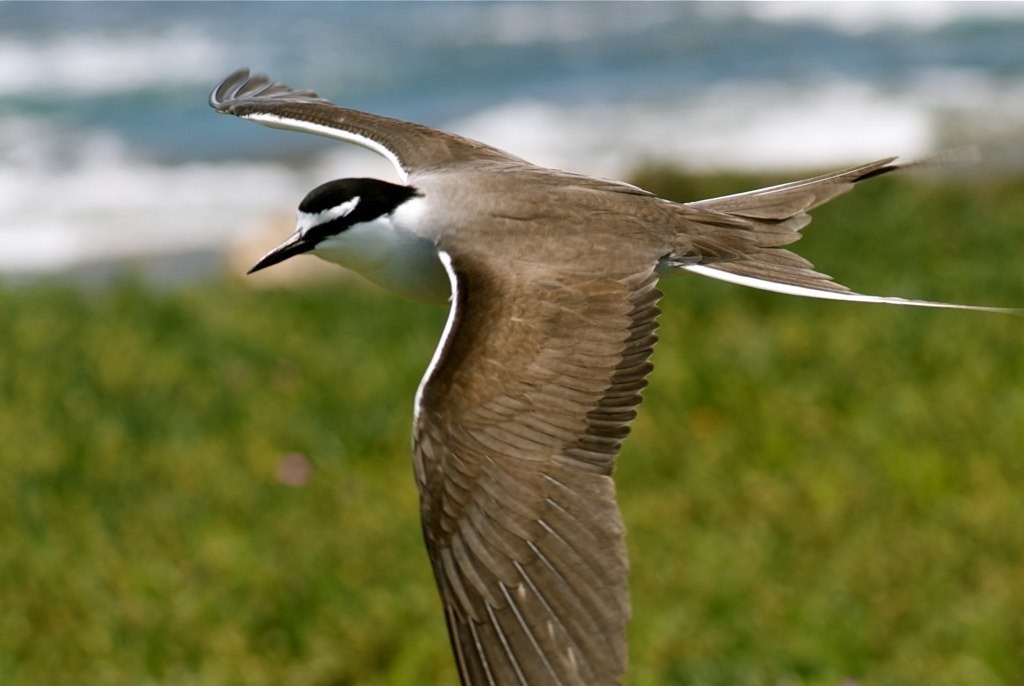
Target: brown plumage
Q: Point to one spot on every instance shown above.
(535, 382)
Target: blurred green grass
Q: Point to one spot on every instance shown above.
(816, 492)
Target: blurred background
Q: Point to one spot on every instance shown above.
(203, 482)
(108, 149)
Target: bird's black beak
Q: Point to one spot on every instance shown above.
(296, 245)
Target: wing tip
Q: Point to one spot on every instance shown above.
(241, 85)
(224, 91)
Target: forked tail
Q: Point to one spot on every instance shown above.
(739, 238)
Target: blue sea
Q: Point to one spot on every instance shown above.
(109, 152)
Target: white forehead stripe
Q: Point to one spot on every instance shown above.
(307, 220)
(277, 122)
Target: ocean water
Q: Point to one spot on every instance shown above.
(108, 150)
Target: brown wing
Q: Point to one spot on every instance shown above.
(518, 425)
(410, 147)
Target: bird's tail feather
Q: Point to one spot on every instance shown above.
(739, 237)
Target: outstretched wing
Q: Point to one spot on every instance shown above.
(410, 147)
(519, 420)
(739, 238)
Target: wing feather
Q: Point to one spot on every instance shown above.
(411, 148)
(519, 425)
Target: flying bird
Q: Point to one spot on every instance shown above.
(552, 279)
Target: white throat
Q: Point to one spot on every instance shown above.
(390, 250)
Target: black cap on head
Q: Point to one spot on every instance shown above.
(376, 198)
(333, 207)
